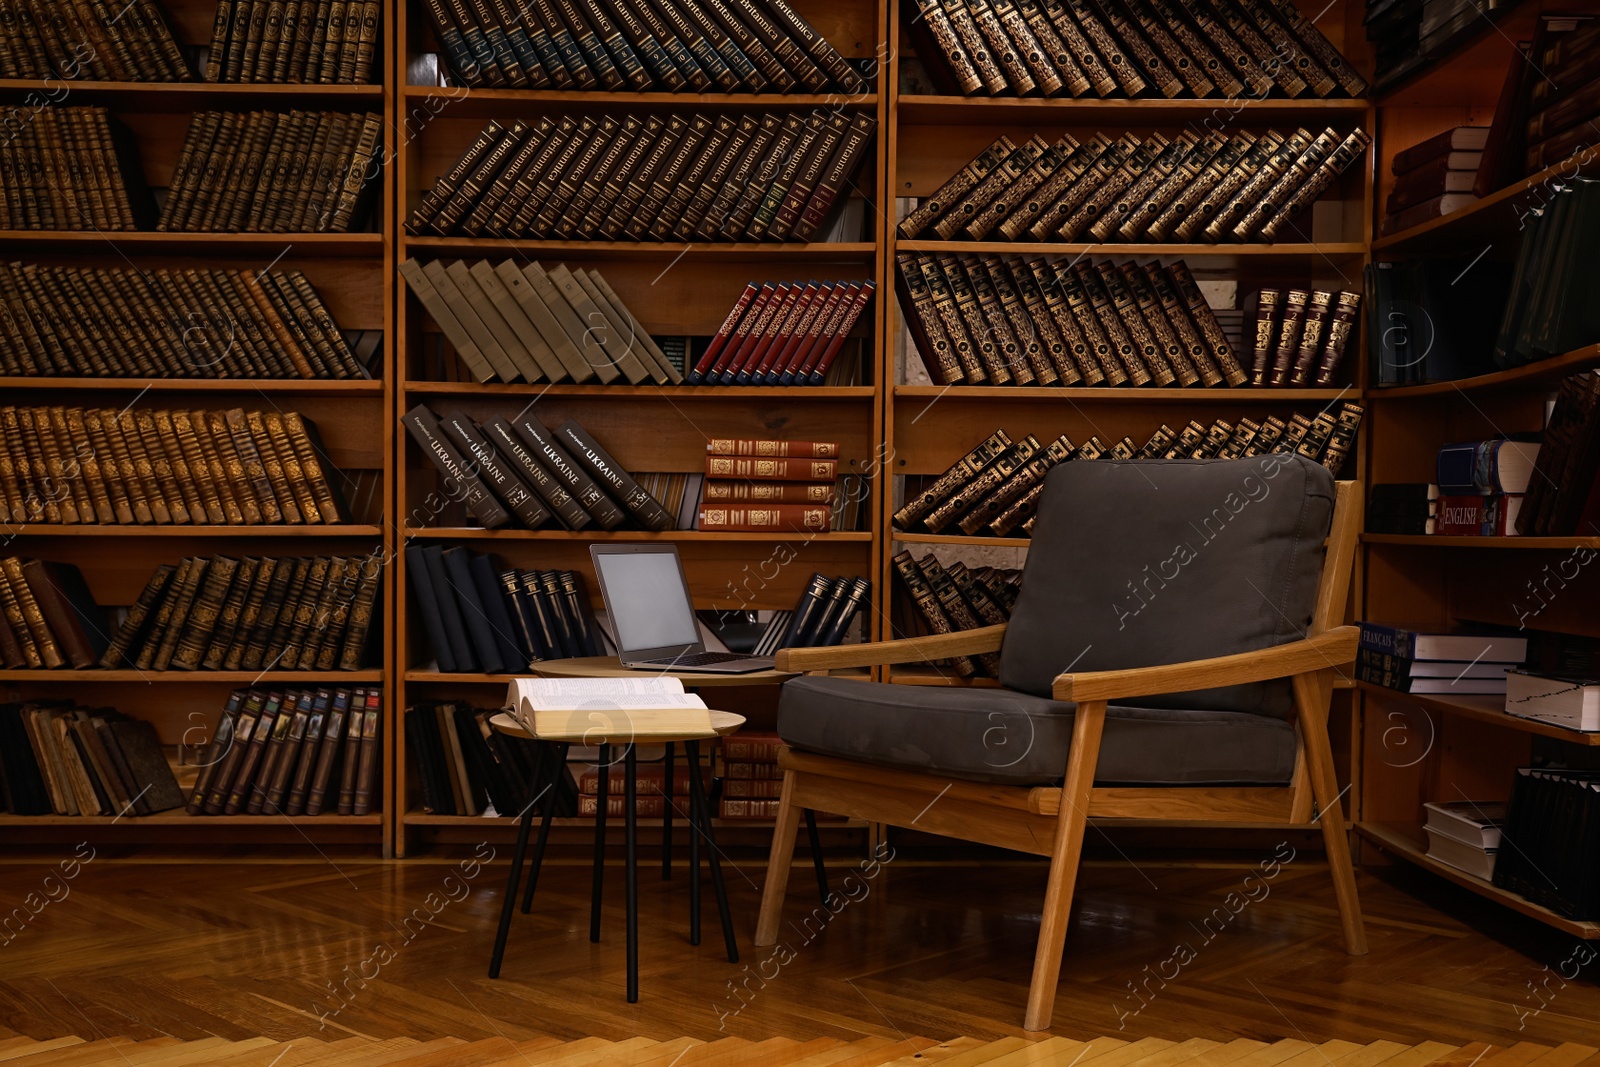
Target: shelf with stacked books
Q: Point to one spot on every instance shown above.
(1517, 543)
(933, 109)
(472, 533)
(488, 103)
(1489, 709)
(1409, 841)
(1539, 375)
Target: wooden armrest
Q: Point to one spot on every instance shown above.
(905, 650)
(1330, 649)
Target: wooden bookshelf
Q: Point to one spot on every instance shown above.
(352, 274)
(1412, 749)
(674, 289)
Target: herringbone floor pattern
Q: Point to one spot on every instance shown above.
(356, 962)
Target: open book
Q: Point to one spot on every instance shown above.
(614, 710)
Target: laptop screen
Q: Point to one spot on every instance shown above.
(646, 597)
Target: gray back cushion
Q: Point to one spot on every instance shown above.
(1145, 562)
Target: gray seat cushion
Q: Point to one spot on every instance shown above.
(1145, 562)
(1002, 736)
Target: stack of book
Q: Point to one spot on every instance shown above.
(48, 618)
(518, 321)
(1547, 103)
(991, 320)
(1141, 187)
(1172, 47)
(641, 45)
(69, 168)
(482, 618)
(1301, 335)
(293, 752)
(466, 767)
(573, 480)
(940, 600)
(60, 759)
(323, 44)
(1466, 834)
(751, 779)
(649, 783)
(1572, 701)
(1433, 320)
(1434, 178)
(994, 489)
(274, 172)
(1563, 496)
(258, 324)
(788, 333)
(1550, 847)
(768, 177)
(76, 465)
(772, 485)
(1481, 486)
(1408, 508)
(286, 614)
(1420, 661)
(99, 42)
(1551, 310)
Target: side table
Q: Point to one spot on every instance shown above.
(722, 724)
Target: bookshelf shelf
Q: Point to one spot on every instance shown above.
(960, 539)
(267, 245)
(295, 386)
(166, 96)
(487, 103)
(923, 674)
(1497, 218)
(1408, 841)
(691, 252)
(613, 822)
(642, 392)
(1116, 394)
(941, 110)
(179, 817)
(244, 678)
(1541, 375)
(585, 536)
(1349, 249)
(91, 530)
(1488, 708)
(1548, 544)
(1460, 62)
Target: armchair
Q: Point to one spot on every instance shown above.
(1170, 658)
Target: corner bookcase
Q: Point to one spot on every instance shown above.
(1417, 749)
(353, 275)
(674, 289)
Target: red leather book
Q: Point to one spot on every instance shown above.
(707, 360)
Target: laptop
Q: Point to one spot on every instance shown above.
(647, 597)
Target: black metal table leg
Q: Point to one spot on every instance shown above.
(691, 757)
(630, 821)
(604, 800)
(545, 797)
(523, 826)
(816, 856)
(666, 816)
(703, 809)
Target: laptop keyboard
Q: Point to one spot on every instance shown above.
(698, 659)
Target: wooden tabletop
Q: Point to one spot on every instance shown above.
(611, 667)
(722, 724)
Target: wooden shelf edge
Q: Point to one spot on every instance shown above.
(584, 536)
(642, 392)
(613, 822)
(676, 101)
(959, 539)
(919, 674)
(733, 250)
(1034, 248)
(1549, 544)
(915, 109)
(1115, 394)
(361, 677)
(114, 530)
(1529, 375)
(1487, 708)
(1494, 201)
(166, 90)
(1408, 841)
(353, 244)
(180, 817)
(302, 386)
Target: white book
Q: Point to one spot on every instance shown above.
(1569, 702)
(1475, 861)
(1472, 822)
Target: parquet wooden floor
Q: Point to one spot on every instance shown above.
(364, 962)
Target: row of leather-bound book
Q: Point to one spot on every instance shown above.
(158, 466)
(1213, 187)
(939, 599)
(68, 168)
(1198, 48)
(731, 177)
(123, 322)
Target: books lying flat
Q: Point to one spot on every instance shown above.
(1570, 702)
(615, 710)
(1463, 857)
(1421, 644)
(1476, 823)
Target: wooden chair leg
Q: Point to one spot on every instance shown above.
(1311, 701)
(1087, 726)
(778, 863)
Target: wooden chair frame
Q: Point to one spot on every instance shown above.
(1052, 821)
